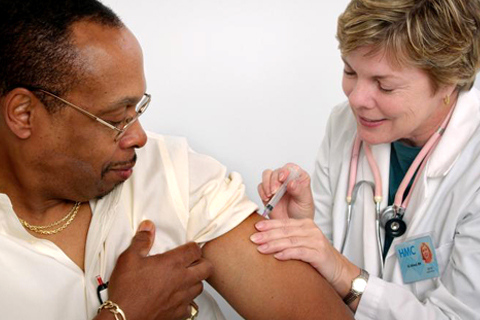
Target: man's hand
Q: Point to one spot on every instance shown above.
(159, 286)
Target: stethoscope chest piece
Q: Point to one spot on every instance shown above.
(395, 227)
(392, 217)
(392, 220)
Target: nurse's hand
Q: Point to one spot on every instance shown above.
(301, 239)
(297, 202)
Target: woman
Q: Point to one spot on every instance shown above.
(426, 252)
(409, 70)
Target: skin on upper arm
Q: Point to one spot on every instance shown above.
(261, 287)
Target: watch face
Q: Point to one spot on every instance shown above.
(359, 285)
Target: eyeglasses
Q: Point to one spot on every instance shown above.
(119, 128)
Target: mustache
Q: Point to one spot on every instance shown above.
(119, 164)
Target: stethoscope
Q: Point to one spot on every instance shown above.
(391, 217)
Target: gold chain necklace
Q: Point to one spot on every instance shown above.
(42, 229)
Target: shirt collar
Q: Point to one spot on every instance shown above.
(10, 224)
(465, 120)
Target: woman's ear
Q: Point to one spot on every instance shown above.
(448, 93)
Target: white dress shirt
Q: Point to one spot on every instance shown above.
(188, 196)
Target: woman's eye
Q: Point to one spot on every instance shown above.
(385, 89)
(348, 73)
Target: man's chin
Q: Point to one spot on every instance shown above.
(107, 191)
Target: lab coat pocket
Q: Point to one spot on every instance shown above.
(442, 254)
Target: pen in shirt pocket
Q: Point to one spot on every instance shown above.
(102, 290)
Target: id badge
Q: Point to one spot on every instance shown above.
(417, 259)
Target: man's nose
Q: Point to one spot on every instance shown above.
(134, 137)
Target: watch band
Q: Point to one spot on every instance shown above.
(354, 292)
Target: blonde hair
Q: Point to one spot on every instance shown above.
(439, 36)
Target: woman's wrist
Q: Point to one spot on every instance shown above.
(343, 283)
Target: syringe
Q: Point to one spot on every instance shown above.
(294, 174)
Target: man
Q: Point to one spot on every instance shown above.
(74, 213)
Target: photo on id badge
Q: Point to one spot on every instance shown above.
(417, 259)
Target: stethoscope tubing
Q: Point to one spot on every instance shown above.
(400, 204)
(350, 209)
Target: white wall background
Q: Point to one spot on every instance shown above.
(249, 82)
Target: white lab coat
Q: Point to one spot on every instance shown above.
(445, 204)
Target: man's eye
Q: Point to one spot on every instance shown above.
(116, 124)
(128, 120)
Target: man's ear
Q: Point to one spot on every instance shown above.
(18, 107)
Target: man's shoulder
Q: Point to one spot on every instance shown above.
(160, 142)
(160, 148)
(162, 155)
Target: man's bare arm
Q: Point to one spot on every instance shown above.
(261, 287)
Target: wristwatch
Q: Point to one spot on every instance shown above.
(358, 287)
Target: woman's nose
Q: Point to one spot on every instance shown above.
(361, 95)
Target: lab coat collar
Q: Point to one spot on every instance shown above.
(464, 121)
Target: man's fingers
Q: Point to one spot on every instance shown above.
(143, 240)
(201, 270)
(185, 255)
(195, 290)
